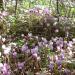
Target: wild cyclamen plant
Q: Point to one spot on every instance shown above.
(35, 54)
(21, 59)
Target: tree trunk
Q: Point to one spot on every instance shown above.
(58, 10)
(1, 4)
(16, 7)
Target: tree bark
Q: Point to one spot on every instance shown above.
(1, 4)
(16, 7)
(58, 10)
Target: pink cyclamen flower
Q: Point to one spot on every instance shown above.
(5, 69)
(56, 30)
(14, 54)
(35, 55)
(59, 62)
(46, 11)
(20, 65)
(51, 66)
(44, 40)
(58, 48)
(56, 57)
(4, 13)
(34, 50)
(24, 48)
(62, 56)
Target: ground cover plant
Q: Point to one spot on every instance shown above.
(36, 53)
(37, 37)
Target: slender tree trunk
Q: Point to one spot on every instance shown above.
(1, 4)
(58, 10)
(16, 7)
(49, 4)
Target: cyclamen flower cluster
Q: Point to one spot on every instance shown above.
(14, 55)
(5, 69)
(39, 11)
(23, 57)
(56, 61)
(3, 14)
